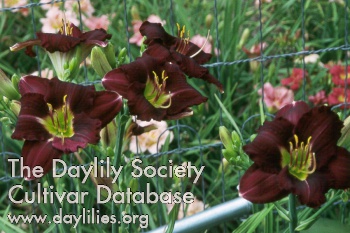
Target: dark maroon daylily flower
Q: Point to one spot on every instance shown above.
(153, 90)
(297, 153)
(178, 50)
(65, 45)
(68, 37)
(58, 117)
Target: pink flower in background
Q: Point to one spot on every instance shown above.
(276, 97)
(16, 3)
(319, 98)
(136, 24)
(97, 22)
(153, 140)
(190, 209)
(255, 50)
(295, 79)
(338, 75)
(201, 41)
(337, 96)
(53, 20)
(85, 6)
(48, 4)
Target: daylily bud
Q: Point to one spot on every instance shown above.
(235, 138)
(226, 139)
(223, 165)
(209, 20)
(344, 140)
(5, 120)
(121, 56)
(133, 185)
(15, 107)
(244, 37)
(109, 135)
(110, 55)
(99, 61)
(6, 87)
(135, 13)
(15, 81)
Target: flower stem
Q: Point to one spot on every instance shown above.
(292, 213)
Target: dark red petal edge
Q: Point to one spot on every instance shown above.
(258, 186)
(39, 153)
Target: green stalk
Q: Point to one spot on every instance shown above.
(292, 213)
(269, 219)
(117, 159)
(57, 205)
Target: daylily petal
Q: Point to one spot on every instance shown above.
(116, 80)
(86, 130)
(107, 104)
(33, 108)
(311, 192)
(80, 98)
(28, 45)
(183, 94)
(260, 187)
(182, 52)
(33, 84)
(57, 42)
(339, 168)
(193, 69)
(96, 37)
(155, 31)
(324, 126)
(265, 149)
(39, 153)
(292, 112)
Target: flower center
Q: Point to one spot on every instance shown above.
(300, 159)
(59, 123)
(155, 91)
(65, 28)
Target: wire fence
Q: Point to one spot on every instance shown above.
(188, 140)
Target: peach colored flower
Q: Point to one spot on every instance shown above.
(85, 6)
(45, 73)
(16, 3)
(319, 98)
(53, 20)
(201, 41)
(339, 75)
(190, 209)
(337, 96)
(310, 59)
(276, 97)
(93, 22)
(47, 4)
(136, 24)
(150, 141)
(295, 79)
